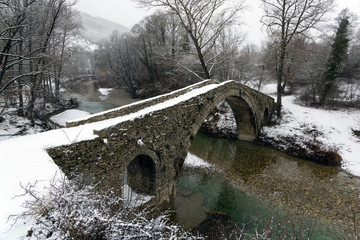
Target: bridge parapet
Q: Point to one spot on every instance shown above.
(134, 107)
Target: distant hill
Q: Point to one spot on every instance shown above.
(96, 29)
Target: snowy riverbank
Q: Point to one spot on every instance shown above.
(334, 129)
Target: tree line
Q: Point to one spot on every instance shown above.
(177, 47)
(193, 40)
(298, 58)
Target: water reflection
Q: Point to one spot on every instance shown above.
(247, 163)
(239, 157)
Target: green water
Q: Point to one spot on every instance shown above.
(94, 107)
(199, 194)
(257, 181)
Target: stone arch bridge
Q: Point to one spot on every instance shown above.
(150, 140)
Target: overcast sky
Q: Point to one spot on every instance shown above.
(127, 13)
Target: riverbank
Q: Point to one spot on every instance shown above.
(12, 125)
(331, 130)
(89, 92)
(84, 98)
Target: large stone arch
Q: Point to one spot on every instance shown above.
(243, 111)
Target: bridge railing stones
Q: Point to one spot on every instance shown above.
(134, 107)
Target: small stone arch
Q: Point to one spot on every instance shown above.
(141, 175)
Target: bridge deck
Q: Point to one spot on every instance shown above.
(116, 116)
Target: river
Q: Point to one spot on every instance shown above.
(250, 180)
(91, 100)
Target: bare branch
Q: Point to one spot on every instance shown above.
(203, 20)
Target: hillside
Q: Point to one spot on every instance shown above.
(96, 29)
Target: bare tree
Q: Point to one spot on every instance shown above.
(354, 56)
(13, 15)
(228, 57)
(68, 27)
(122, 61)
(203, 20)
(47, 25)
(33, 38)
(310, 72)
(286, 19)
(151, 41)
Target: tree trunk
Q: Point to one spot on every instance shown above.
(20, 82)
(201, 57)
(58, 76)
(280, 79)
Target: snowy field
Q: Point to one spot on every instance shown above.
(24, 159)
(68, 115)
(13, 125)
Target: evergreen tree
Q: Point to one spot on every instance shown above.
(334, 65)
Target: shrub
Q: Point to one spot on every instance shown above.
(68, 211)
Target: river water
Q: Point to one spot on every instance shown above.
(91, 100)
(250, 180)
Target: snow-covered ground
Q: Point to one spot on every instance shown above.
(132, 198)
(221, 123)
(104, 93)
(12, 125)
(68, 115)
(335, 128)
(195, 161)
